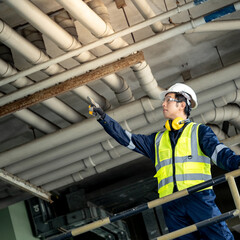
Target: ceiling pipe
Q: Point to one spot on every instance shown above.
(227, 25)
(73, 132)
(222, 136)
(116, 152)
(26, 115)
(115, 82)
(63, 39)
(133, 109)
(99, 28)
(53, 104)
(118, 54)
(78, 176)
(31, 53)
(143, 124)
(146, 11)
(102, 41)
(35, 121)
(227, 113)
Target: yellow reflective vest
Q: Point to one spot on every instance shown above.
(186, 165)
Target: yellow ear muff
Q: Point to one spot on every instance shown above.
(175, 124)
(168, 125)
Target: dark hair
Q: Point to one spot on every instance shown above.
(181, 98)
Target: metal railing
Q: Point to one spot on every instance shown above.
(229, 177)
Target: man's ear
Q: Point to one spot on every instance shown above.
(182, 105)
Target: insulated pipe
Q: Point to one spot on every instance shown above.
(83, 159)
(227, 25)
(223, 136)
(134, 123)
(102, 41)
(115, 82)
(16, 156)
(63, 39)
(118, 153)
(123, 52)
(73, 132)
(100, 28)
(114, 150)
(31, 53)
(54, 104)
(146, 11)
(35, 121)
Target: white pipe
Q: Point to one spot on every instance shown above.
(99, 28)
(53, 104)
(7, 70)
(100, 158)
(16, 156)
(227, 25)
(34, 120)
(78, 176)
(73, 132)
(64, 40)
(26, 115)
(69, 153)
(112, 57)
(223, 136)
(70, 162)
(30, 52)
(116, 83)
(146, 11)
(99, 42)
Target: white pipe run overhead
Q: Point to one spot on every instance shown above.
(115, 82)
(134, 109)
(99, 42)
(34, 55)
(109, 58)
(67, 43)
(109, 150)
(99, 28)
(59, 36)
(26, 115)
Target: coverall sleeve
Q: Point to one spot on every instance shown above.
(221, 155)
(143, 144)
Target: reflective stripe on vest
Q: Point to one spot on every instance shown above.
(192, 166)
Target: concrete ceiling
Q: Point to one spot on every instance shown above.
(77, 152)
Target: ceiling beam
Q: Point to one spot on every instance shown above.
(72, 83)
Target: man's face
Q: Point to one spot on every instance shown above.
(171, 108)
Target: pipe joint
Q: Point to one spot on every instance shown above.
(107, 145)
(146, 104)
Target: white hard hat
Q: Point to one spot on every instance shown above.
(182, 89)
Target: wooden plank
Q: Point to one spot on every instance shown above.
(71, 84)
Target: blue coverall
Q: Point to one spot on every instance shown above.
(193, 208)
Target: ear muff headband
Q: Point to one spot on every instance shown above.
(175, 124)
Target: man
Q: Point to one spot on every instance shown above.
(182, 155)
